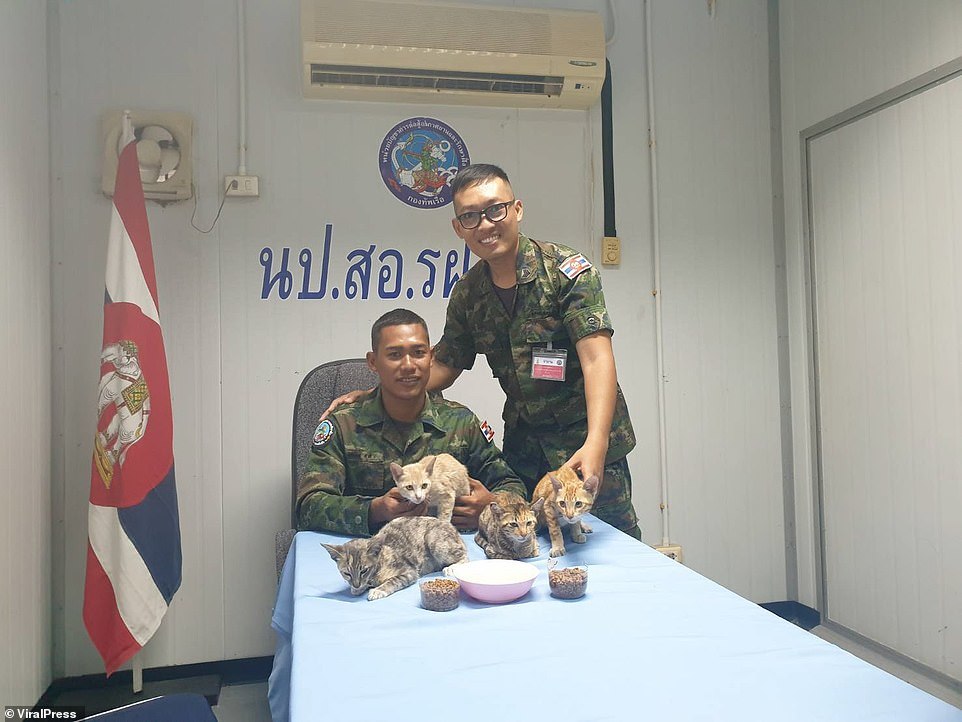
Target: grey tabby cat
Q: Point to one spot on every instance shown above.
(439, 479)
(405, 549)
(506, 527)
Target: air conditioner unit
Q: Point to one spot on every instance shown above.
(444, 53)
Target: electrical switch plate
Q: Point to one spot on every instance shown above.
(672, 551)
(241, 186)
(611, 251)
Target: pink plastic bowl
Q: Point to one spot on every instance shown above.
(495, 580)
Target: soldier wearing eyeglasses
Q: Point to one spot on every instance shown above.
(536, 310)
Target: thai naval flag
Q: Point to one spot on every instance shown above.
(133, 555)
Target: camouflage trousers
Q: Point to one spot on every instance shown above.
(613, 504)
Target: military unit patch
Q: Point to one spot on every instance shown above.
(323, 433)
(487, 431)
(574, 265)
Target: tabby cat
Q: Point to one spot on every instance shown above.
(439, 479)
(566, 499)
(405, 549)
(506, 527)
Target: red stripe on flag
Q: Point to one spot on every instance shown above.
(104, 623)
(129, 200)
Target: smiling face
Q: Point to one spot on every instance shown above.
(402, 361)
(494, 242)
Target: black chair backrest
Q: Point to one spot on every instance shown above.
(316, 392)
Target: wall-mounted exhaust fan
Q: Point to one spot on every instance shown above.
(163, 152)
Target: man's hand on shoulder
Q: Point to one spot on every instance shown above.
(392, 506)
(468, 508)
(349, 398)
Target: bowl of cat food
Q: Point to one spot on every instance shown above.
(568, 582)
(495, 581)
(440, 595)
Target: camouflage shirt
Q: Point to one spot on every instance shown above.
(556, 303)
(349, 461)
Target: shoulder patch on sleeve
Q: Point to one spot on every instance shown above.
(323, 432)
(487, 431)
(574, 265)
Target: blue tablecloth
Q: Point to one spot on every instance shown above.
(651, 640)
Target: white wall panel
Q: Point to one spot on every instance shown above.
(724, 454)
(834, 56)
(236, 359)
(25, 365)
(885, 226)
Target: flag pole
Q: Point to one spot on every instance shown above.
(138, 674)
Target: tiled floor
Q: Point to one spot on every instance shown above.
(950, 695)
(243, 703)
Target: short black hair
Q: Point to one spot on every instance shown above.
(397, 317)
(476, 174)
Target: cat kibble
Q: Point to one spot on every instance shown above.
(440, 595)
(568, 583)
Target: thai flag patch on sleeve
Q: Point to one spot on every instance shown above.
(487, 431)
(574, 265)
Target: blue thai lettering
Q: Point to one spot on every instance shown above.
(305, 259)
(284, 279)
(451, 278)
(428, 288)
(385, 273)
(360, 269)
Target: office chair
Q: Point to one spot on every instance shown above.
(318, 389)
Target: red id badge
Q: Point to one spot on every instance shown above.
(548, 364)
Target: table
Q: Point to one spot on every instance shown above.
(651, 640)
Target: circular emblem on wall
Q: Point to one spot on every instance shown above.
(419, 158)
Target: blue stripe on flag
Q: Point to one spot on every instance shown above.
(154, 528)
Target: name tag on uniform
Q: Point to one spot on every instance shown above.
(549, 364)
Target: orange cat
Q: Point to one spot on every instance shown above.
(566, 499)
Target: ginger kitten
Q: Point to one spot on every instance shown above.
(566, 499)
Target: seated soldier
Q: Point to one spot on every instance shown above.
(347, 487)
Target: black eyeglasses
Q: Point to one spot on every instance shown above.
(494, 213)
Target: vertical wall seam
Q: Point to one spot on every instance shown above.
(781, 304)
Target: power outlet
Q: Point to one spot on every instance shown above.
(241, 186)
(672, 551)
(611, 251)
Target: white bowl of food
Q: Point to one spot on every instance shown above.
(495, 581)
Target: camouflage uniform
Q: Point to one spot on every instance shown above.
(350, 466)
(545, 421)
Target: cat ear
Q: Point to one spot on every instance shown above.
(428, 463)
(538, 505)
(334, 550)
(396, 471)
(496, 510)
(591, 484)
(554, 482)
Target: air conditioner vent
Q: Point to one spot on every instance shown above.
(439, 52)
(355, 76)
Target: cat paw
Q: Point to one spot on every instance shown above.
(557, 552)
(585, 528)
(578, 538)
(376, 594)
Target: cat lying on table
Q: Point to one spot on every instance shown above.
(402, 551)
(506, 527)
